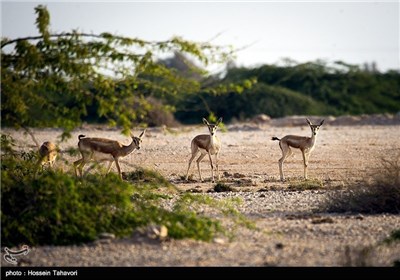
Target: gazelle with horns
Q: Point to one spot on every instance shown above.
(206, 144)
(305, 144)
(101, 150)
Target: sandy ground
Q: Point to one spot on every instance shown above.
(290, 233)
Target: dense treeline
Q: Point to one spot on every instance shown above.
(311, 89)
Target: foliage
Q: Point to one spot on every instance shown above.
(394, 237)
(311, 88)
(56, 208)
(275, 101)
(380, 196)
(143, 176)
(51, 207)
(221, 187)
(309, 184)
(61, 79)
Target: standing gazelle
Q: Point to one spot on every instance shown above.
(101, 150)
(305, 144)
(206, 144)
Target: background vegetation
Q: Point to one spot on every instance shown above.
(305, 89)
(67, 78)
(63, 79)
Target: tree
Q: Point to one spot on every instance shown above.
(54, 80)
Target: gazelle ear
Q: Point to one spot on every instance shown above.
(205, 121)
(308, 121)
(219, 121)
(321, 122)
(142, 134)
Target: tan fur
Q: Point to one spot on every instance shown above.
(305, 144)
(206, 144)
(102, 150)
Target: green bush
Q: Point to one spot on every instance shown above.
(57, 208)
(301, 185)
(143, 176)
(51, 207)
(311, 88)
(221, 187)
(394, 237)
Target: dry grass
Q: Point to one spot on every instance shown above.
(379, 195)
(309, 184)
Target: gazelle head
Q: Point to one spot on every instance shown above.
(48, 152)
(314, 127)
(137, 140)
(212, 127)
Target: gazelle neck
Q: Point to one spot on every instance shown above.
(126, 150)
(313, 138)
(213, 139)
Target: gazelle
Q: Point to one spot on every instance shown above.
(47, 154)
(206, 144)
(101, 150)
(305, 144)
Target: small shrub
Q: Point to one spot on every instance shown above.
(310, 184)
(7, 144)
(394, 237)
(52, 207)
(382, 195)
(221, 187)
(56, 208)
(143, 176)
(161, 115)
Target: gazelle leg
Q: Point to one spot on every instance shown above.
(305, 161)
(212, 168)
(194, 154)
(109, 166)
(118, 167)
(216, 163)
(77, 167)
(80, 168)
(286, 152)
(97, 163)
(91, 167)
(198, 165)
(86, 157)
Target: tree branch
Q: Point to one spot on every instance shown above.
(27, 130)
(97, 36)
